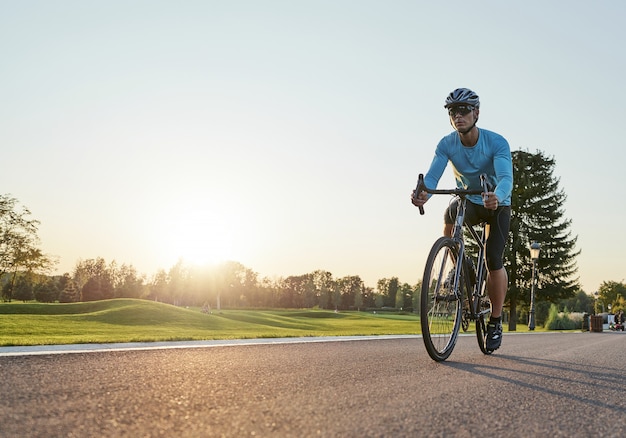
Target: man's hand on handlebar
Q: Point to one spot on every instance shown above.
(490, 201)
(419, 200)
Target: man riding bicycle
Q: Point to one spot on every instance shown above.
(472, 152)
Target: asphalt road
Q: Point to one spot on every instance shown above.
(554, 384)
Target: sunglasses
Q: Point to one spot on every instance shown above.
(462, 110)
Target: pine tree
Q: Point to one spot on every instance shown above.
(537, 215)
(70, 293)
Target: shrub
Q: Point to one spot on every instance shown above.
(559, 320)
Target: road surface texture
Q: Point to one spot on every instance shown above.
(557, 384)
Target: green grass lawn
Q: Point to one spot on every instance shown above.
(126, 320)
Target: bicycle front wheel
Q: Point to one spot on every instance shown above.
(440, 307)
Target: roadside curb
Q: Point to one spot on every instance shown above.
(32, 350)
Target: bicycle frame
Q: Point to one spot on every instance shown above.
(475, 290)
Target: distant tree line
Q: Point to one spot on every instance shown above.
(229, 284)
(232, 285)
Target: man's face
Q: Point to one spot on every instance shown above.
(463, 117)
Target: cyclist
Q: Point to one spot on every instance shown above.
(472, 152)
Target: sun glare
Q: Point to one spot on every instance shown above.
(199, 238)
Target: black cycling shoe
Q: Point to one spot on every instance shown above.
(494, 336)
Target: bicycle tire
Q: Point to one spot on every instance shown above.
(440, 308)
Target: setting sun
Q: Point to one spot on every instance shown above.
(200, 237)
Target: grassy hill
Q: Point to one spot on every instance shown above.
(127, 320)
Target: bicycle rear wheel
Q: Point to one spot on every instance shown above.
(440, 308)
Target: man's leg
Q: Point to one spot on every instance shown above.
(497, 284)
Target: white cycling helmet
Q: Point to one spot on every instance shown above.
(462, 96)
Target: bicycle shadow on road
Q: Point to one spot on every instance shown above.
(583, 383)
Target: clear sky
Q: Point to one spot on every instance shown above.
(287, 135)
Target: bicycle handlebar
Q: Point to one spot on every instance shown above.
(421, 187)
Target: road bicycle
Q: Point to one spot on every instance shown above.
(454, 286)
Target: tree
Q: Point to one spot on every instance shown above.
(19, 242)
(249, 287)
(69, 292)
(537, 215)
(293, 289)
(324, 283)
(94, 279)
(269, 293)
(388, 288)
(97, 288)
(97, 269)
(404, 298)
(128, 284)
(235, 281)
(23, 289)
(335, 297)
(610, 292)
(46, 291)
(581, 302)
(158, 286)
(351, 290)
(369, 297)
(178, 276)
(417, 289)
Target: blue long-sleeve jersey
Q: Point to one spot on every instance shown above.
(490, 155)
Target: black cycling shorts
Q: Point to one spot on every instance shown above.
(499, 222)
